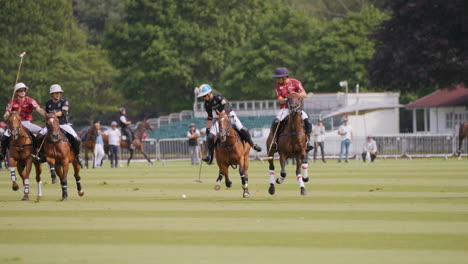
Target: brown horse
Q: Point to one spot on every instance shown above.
(291, 143)
(59, 155)
(232, 151)
(89, 142)
(463, 132)
(21, 147)
(137, 141)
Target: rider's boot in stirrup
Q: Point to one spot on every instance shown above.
(77, 149)
(273, 132)
(210, 142)
(246, 135)
(308, 130)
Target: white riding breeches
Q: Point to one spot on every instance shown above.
(234, 121)
(284, 112)
(34, 129)
(65, 127)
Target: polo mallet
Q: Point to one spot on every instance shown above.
(199, 173)
(18, 73)
(273, 139)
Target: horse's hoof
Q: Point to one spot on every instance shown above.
(303, 191)
(39, 198)
(25, 198)
(228, 184)
(217, 187)
(271, 190)
(64, 199)
(54, 180)
(279, 180)
(15, 187)
(246, 194)
(81, 193)
(305, 179)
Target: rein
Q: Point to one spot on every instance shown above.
(229, 146)
(21, 146)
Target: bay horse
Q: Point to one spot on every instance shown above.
(21, 149)
(231, 150)
(59, 155)
(89, 142)
(291, 143)
(137, 141)
(463, 132)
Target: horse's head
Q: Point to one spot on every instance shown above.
(53, 127)
(294, 103)
(14, 121)
(146, 125)
(224, 125)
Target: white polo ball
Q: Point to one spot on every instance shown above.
(184, 196)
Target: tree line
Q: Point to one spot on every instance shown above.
(149, 55)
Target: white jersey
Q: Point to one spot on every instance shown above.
(114, 136)
(346, 130)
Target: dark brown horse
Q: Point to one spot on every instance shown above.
(137, 141)
(89, 142)
(59, 155)
(231, 150)
(461, 135)
(21, 147)
(291, 144)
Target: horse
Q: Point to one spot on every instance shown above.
(463, 132)
(89, 142)
(21, 149)
(59, 155)
(291, 143)
(231, 150)
(137, 141)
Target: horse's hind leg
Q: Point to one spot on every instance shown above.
(271, 168)
(14, 185)
(217, 186)
(76, 169)
(37, 165)
(130, 158)
(282, 177)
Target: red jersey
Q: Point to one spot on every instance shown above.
(285, 89)
(27, 108)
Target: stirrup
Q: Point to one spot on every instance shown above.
(309, 146)
(274, 146)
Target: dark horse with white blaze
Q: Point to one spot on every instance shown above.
(463, 132)
(231, 150)
(59, 155)
(137, 141)
(291, 144)
(21, 149)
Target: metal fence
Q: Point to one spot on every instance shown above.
(391, 145)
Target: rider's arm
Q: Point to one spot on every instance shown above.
(281, 100)
(303, 94)
(41, 111)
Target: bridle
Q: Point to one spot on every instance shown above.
(294, 104)
(54, 132)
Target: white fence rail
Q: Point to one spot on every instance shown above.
(391, 145)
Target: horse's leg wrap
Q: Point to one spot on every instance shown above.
(13, 174)
(245, 182)
(63, 182)
(300, 181)
(305, 174)
(281, 178)
(26, 186)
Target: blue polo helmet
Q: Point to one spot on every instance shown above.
(203, 90)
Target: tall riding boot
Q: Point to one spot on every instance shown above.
(77, 149)
(308, 130)
(5, 145)
(274, 133)
(38, 144)
(211, 144)
(245, 133)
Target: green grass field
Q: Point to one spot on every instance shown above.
(388, 212)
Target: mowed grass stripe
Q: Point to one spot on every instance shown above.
(358, 240)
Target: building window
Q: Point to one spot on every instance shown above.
(453, 119)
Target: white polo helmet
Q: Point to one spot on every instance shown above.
(55, 88)
(21, 86)
(203, 90)
(113, 123)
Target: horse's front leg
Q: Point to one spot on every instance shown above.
(244, 177)
(131, 156)
(299, 177)
(13, 164)
(62, 171)
(305, 166)
(76, 170)
(37, 166)
(22, 171)
(144, 154)
(283, 169)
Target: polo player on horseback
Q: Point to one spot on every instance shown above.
(125, 127)
(285, 86)
(25, 105)
(219, 103)
(60, 106)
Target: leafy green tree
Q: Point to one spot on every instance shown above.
(423, 44)
(340, 50)
(57, 52)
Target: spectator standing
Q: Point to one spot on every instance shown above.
(114, 136)
(346, 133)
(369, 150)
(99, 147)
(319, 138)
(194, 150)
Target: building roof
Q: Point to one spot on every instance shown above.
(452, 96)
